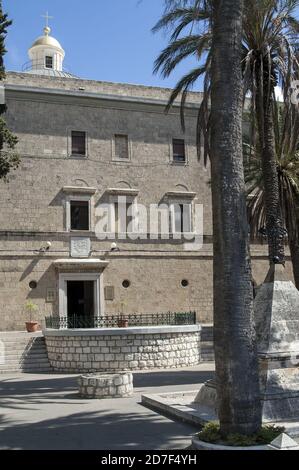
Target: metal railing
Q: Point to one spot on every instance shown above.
(40, 65)
(118, 321)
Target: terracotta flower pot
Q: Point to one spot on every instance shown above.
(32, 326)
(123, 323)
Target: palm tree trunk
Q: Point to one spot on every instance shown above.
(234, 335)
(294, 249)
(274, 224)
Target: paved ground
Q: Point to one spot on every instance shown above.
(44, 412)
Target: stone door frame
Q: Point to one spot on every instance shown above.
(83, 276)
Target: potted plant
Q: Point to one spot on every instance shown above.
(31, 325)
(122, 321)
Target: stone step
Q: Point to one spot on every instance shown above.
(207, 344)
(29, 370)
(24, 352)
(8, 336)
(33, 341)
(17, 365)
(23, 347)
(28, 357)
(20, 351)
(30, 339)
(207, 358)
(207, 334)
(24, 363)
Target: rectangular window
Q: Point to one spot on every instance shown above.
(121, 147)
(78, 143)
(123, 216)
(79, 215)
(49, 62)
(182, 218)
(178, 150)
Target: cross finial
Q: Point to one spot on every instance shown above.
(47, 17)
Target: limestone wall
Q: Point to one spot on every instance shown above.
(42, 112)
(123, 348)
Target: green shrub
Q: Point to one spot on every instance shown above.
(211, 433)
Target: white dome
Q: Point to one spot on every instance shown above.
(47, 41)
(46, 55)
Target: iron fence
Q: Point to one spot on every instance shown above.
(117, 321)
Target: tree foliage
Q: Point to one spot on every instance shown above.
(9, 160)
(270, 42)
(287, 154)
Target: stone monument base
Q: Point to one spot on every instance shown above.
(276, 309)
(276, 405)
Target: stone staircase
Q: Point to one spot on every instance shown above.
(23, 352)
(207, 346)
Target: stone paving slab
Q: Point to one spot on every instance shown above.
(44, 412)
(181, 406)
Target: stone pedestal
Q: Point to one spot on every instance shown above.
(276, 309)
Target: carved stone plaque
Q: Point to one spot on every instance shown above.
(109, 292)
(80, 247)
(51, 294)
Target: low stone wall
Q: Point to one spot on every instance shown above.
(106, 385)
(115, 349)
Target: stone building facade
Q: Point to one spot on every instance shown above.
(82, 144)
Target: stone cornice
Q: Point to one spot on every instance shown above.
(88, 98)
(79, 190)
(134, 330)
(81, 263)
(180, 194)
(122, 191)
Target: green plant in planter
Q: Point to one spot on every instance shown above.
(211, 433)
(31, 325)
(30, 308)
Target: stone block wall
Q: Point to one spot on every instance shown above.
(111, 385)
(119, 349)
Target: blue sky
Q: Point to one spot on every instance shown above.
(107, 40)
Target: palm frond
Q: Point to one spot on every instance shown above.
(182, 87)
(178, 50)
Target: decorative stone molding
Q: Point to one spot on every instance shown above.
(123, 192)
(75, 263)
(107, 385)
(180, 195)
(79, 190)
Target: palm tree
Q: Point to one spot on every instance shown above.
(287, 163)
(234, 337)
(190, 23)
(269, 42)
(235, 349)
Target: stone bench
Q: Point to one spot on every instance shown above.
(106, 385)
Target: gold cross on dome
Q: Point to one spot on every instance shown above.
(47, 17)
